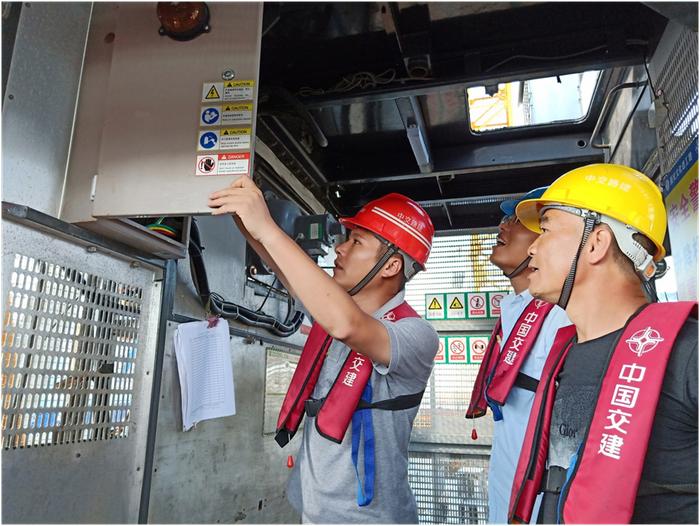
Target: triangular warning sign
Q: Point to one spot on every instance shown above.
(213, 93)
(227, 108)
(225, 132)
(435, 305)
(456, 304)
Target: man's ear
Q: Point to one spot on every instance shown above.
(393, 267)
(599, 244)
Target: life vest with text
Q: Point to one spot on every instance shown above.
(334, 412)
(603, 479)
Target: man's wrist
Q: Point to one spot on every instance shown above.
(272, 236)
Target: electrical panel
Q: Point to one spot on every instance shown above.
(161, 122)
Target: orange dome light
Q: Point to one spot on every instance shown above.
(183, 20)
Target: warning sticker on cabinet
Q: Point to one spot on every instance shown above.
(495, 304)
(208, 140)
(476, 302)
(235, 90)
(234, 114)
(435, 306)
(455, 306)
(223, 164)
(234, 138)
(210, 116)
(212, 91)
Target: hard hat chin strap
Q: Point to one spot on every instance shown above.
(522, 266)
(391, 249)
(589, 219)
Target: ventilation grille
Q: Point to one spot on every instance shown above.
(679, 82)
(69, 344)
(450, 488)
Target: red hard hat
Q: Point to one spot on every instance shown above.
(398, 220)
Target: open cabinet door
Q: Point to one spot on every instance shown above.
(179, 117)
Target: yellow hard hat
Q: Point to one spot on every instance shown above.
(613, 190)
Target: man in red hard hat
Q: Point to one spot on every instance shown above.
(365, 364)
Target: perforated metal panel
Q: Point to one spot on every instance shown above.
(457, 263)
(450, 486)
(440, 418)
(280, 367)
(79, 333)
(678, 81)
(69, 344)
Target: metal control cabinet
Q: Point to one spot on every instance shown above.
(138, 121)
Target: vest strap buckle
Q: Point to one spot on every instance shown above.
(312, 406)
(553, 479)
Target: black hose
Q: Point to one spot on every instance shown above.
(218, 305)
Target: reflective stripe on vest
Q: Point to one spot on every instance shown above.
(616, 440)
(501, 365)
(341, 401)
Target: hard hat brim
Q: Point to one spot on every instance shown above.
(347, 222)
(508, 206)
(528, 213)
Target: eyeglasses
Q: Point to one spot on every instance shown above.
(509, 220)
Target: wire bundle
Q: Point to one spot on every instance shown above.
(359, 80)
(159, 227)
(216, 304)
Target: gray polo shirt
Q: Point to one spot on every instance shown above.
(323, 483)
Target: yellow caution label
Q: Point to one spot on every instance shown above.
(456, 304)
(239, 84)
(238, 107)
(235, 131)
(213, 93)
(435, 305)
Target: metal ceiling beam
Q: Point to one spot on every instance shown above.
(416, 131)
(497, 157)
(685, 13)
(466, 201)
(282, 142)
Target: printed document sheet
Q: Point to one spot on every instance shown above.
(204, 367)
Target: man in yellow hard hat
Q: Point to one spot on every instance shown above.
(613, 433)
